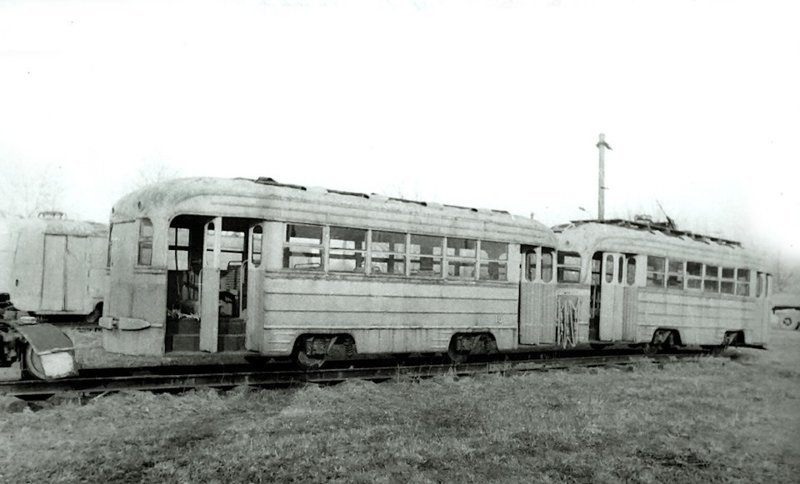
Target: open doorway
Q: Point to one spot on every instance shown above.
(207, 283)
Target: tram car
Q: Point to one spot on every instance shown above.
(227, 265)
(649, 284)
(52, 267)
(282, 270)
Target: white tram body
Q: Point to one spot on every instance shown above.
(237, 264)
(53, 266)
(642, 282)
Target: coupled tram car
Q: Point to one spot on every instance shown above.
(238, 265)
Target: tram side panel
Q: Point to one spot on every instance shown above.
(135, 300)
(700, 319)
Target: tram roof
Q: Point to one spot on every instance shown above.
(266, 198)
(657, 239)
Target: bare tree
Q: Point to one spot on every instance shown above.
(31, 191)
(154, 172)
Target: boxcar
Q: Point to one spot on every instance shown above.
(650, 284)
(236, 264)
(53, 266)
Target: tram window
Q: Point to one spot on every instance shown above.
(609, 268)
(694, 275)
(547, 265)
(631, 277)
(531, 262)
(760, 284)
(619, 270)
(461, 258)
(303, 247)
(388, 253)
(743, 282)
(178, 259)
(675, 274)
(461, 247)
(711, 279)
(256, 239)
(569, 267)
(728, 283)
(145, 242)
(494, 261)
(426, 258)
(347, 249)
(655, 271)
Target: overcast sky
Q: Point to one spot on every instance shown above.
(476, 103)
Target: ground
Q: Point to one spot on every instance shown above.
(706, 420)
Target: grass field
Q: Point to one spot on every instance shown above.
(706, 420)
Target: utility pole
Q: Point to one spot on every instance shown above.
(601, 186)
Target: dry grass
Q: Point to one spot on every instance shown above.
(707, 420)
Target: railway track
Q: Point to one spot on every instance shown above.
(164, 379)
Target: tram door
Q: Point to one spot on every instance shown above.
(609, 315)
(253, 294)
(537, 300)
(209, 293)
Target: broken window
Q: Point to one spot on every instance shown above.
(461, 258)
(494, 261)
(388, 253)
(656, 267)
(711, 279)
(347, 249)
(426, 256)
(743, 282)
(569, 267)
(694, 275)
(302, 248)
(675, 274)
(728, 281)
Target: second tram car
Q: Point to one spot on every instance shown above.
(646, 283)
(237, 264)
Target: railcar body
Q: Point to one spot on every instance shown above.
(53, 266)
(649, 284)
(236, 264)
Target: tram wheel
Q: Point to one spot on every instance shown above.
(306, 362)
(33, 364)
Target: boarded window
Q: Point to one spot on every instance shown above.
(656, 267)
(388, 253)
(302, 247)
(425, 258)
(743, 282)
(675, 274)
(145, 242)
(569, 267)
(494, 261)
(347, 249)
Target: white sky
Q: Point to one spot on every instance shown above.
(477, 103)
